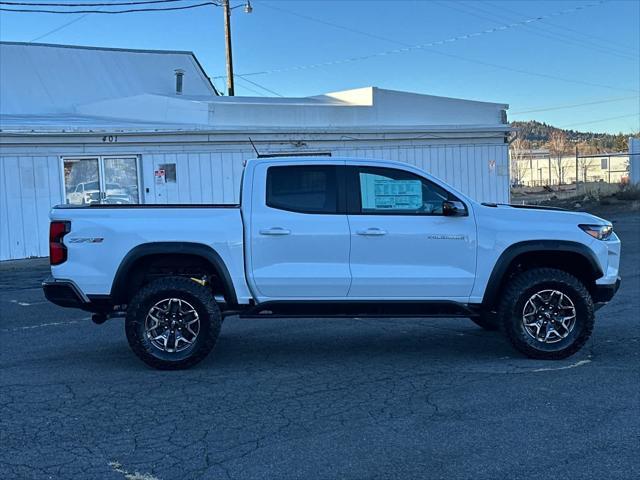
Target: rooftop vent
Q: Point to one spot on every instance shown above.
(179, 78)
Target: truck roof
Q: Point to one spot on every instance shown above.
(323, 158)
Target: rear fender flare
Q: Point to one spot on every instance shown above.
(119, 286)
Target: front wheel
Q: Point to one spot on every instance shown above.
(487, 321)
(546, 313)
(172, 323)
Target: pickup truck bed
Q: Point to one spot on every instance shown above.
(108, 240)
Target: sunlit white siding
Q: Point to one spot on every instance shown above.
(29, 186)
(634, 160)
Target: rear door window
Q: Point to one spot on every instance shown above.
(303, 188)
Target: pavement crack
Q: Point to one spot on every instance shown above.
(118, 468)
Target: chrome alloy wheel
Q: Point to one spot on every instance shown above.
(549, 316)
(172, 325)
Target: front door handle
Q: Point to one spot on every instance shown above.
(275, 231)
(372, 232)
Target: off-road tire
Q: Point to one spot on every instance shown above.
(487, 321)
(519, 290)
(200, 297)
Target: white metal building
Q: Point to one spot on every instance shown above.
(634, 160)
(83, 125)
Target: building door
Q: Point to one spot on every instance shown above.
(107, 180)
(402, 246)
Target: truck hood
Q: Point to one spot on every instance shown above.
(535, 213)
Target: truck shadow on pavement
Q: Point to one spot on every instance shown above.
(313, 345)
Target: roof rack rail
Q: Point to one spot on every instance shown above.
(294, 154)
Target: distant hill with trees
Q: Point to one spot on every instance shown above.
(538, 135)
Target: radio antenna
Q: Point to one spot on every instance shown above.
(254, 148)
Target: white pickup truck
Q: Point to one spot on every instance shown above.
(327, 236)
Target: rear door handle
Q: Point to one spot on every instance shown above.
(372, 232)
(275, 231)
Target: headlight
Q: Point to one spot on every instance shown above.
(601, 232)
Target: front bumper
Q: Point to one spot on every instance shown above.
(604, 293)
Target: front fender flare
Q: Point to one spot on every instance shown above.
(513, 251)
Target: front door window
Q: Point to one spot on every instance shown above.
(388, 191)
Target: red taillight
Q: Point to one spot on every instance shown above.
(57, 250)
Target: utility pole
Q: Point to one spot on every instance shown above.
(227, 36)
(577, 172)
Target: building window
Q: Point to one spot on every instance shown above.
(169, 172)
(303, 189)
(604, 163)
(107, 180)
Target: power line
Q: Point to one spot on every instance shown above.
(503, 27)
(496, 17)
(109, 12)
(581, 40)
(258, 85)
(637, 115)
(75, 20)
(331, 24)
(110, 4)
(408, 48)
(459, 57)
(574, 105)
(57, 29)
(258, 93)
(590, 36)
(537, 74)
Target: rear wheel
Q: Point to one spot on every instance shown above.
(546, 313)
(172, 323)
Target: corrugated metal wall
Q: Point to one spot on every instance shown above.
(634, 160)
(202, 177)
(30, 185)
(214, 177)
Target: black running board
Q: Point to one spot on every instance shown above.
(356, 308)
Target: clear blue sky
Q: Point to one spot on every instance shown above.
(554, 54)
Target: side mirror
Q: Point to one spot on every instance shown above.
(453, 208)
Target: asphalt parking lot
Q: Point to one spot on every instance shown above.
(316, 398)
